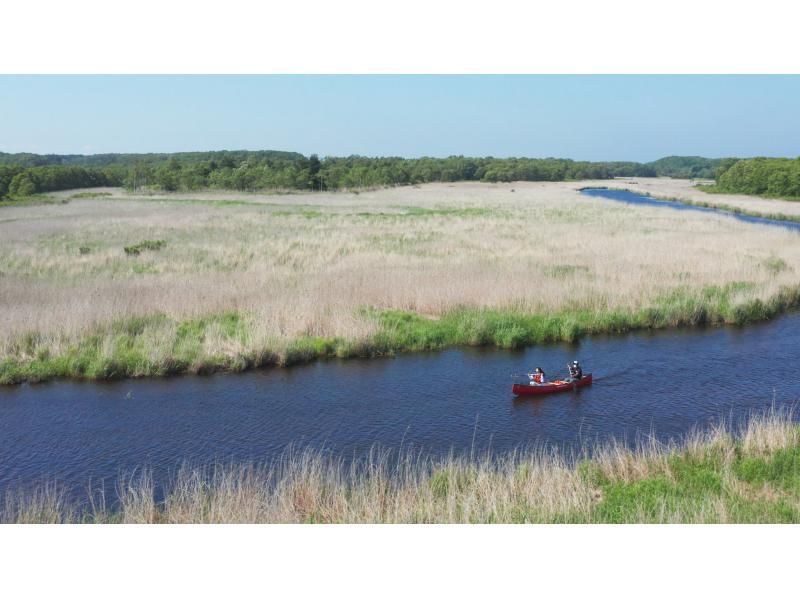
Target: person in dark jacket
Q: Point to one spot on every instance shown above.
(575, 371)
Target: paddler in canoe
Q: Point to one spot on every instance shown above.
(575, 371)
(537, 377)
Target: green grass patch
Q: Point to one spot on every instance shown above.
(137, 268)
(781, 469)
(690, 484)
(146, 245)
(90, 195)
(775, 265)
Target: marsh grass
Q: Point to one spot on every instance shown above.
(158, 345)
(323, 275)
(751, 475)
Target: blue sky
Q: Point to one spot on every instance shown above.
(581, 117)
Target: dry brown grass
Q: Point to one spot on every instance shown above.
(303, 265)
(696, 480)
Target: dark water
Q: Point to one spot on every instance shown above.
(633, 198)
(665, 382)
(662, 383)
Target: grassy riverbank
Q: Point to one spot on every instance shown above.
(158, 345)
(711, 477)
(104, 288)
(714, 190)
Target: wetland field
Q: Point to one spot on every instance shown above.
(106, 284)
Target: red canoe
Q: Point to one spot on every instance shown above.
(550, 387)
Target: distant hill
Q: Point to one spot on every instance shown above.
(686, 167)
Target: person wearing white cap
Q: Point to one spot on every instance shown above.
(575, 371)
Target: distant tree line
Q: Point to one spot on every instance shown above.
(358, 172)
(772, 177)
(28, 174)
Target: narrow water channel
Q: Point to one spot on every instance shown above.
(636, 199)
(460, 400)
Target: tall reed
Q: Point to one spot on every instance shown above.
(719, 475)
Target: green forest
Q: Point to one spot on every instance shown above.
(26, 174)
(770, 177)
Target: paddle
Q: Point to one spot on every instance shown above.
(525, 376)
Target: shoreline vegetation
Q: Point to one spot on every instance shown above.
(98, 289)
(751, 475)
(125, 348)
